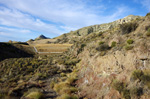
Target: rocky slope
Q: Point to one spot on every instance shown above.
(74, 36)
(115, 63)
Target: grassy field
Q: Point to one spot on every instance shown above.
(52, 47)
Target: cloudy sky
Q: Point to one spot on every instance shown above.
(21, 20)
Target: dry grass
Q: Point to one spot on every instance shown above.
(35, 95)
(52, 47)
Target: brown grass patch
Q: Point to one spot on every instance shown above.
(52, 47)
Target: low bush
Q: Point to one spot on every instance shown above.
(137, 74)
(143, 76)
(103, 47)
(148, 32)
(130, 41)
(118, 86)
(66, 88)
(101, 42)
(121, 87)
(136, 91)
(126, 94)
(113, 44)
(83, 45)
(71, 79)
(58, 87)
(67, 96)
(35, 95)
(100, 34)
(71, 61)
(127, 28)
(128, 47)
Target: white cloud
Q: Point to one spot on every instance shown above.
(4, 34)
(71, 13)
(54, 16)
(16, 18)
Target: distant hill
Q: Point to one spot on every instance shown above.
(41, 37)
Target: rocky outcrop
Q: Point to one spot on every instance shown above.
(76, 35)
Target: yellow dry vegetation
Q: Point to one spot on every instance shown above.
(52, 47)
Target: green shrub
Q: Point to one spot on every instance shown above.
(113, 44)
(121, 87)
(130, 41)
(71, 61)
(83, 45)
(128, 47)
(136, 91)
(101, 42)
(145, 78)
(148, 32)
(137, 74)
(81, 48)
(72, 78)
(100, 34)
(127, 28)
(148, 29)
(118, 86)
(103, 47)
(126, 94)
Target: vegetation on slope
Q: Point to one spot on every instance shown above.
(9, 50)
(100, 64)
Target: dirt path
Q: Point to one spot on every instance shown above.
(47, 90)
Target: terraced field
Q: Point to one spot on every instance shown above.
(51, 48)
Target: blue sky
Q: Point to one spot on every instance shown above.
(21, 20)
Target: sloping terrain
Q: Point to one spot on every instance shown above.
(8, 50)
(115, 63)
(108, 61)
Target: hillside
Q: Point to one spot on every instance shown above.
(74, 36)
(9, 50)
(106, 61)
(115, 63)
